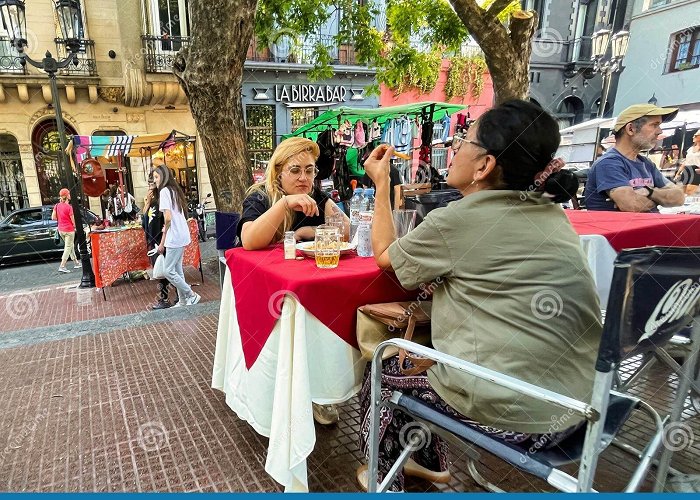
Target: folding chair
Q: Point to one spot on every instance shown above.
(653, 290)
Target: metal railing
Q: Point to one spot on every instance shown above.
(10, 62)
(289, 51)
(580, 49)
(87, 66)
(159, 51)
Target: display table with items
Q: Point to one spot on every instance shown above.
(116, 251)
(604, 234)
(286, 338)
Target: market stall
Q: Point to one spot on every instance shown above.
(346, 134)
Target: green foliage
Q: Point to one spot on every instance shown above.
(408, 54)
(466, 75)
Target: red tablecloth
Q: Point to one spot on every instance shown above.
(117, 252)
(633, 230)
(262, 278)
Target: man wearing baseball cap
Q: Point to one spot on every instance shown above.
(624, 180)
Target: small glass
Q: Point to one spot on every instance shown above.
(337, 220)
(404, 222)
(327, 247)
(290, 249)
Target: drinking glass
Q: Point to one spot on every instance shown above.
(404, 222)
(327, 247)
(336, 219)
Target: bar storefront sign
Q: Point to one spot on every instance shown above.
(310, 93)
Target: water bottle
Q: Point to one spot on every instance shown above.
(356, 206)
(369, 196)
(364, 241)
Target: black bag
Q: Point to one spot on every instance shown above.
(327, 154)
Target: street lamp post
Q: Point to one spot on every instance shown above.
(608, 66)
(69, 17)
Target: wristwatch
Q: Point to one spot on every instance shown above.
(650, 192)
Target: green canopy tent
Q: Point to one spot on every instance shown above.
(334, 117)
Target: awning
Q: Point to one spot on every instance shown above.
(330, 118)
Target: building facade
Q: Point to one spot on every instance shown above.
(663, 58)
(124, 85)
(562, 78)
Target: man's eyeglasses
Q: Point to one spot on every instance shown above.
(458, 139)
(309, 171)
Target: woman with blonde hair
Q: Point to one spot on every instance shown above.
(287, 199)
(63, 213)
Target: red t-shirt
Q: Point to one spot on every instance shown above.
(63, 213)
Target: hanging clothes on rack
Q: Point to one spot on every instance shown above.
(375, 131)
(402, 135)
(446, 123)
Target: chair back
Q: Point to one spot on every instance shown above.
(652, 296)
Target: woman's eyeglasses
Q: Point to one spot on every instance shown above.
(296, 171)
(458, 139)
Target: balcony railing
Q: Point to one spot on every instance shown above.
(87, 66)
(562, 51)
(580, 49)
(284, 51)
(10, 62)
(159, 51)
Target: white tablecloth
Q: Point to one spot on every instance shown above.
(302, 361)
(601, 259)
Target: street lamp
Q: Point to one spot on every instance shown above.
(606, 67)
(12, 13)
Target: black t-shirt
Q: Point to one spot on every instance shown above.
(258, 203)
(154, 222)
(394, 180)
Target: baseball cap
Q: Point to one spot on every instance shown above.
(638, 110)
(64, 192)
(697, 133)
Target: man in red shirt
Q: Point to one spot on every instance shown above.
(63, 213)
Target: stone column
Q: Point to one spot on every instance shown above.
(30, 178)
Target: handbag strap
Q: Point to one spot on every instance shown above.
(419, 363)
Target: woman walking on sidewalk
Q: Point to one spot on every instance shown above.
(176, 234)
(63, 213)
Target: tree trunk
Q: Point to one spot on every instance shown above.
(210, 71)
(507, 52)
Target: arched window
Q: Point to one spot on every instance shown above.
(571, 109)
(49, 170)
(13, 190)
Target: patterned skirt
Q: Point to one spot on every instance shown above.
(397, 428)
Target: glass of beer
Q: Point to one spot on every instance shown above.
(327, 247)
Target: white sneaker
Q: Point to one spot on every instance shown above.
(63, 270)
(78, 265)
(192, 299)
(178, 304)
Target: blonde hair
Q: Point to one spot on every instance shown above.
(272, 186)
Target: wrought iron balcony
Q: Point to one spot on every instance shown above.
(10, 62)
(159, 51)
(288, 51)
(87, 66)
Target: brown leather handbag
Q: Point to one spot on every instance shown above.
(400, 316)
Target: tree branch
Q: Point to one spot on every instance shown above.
(498, 6)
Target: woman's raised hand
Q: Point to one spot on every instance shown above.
(377, 164)
(302, 203)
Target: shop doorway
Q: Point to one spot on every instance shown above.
(110, 166)
(13, 190)
(50, 172)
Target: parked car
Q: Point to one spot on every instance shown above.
(29, 233)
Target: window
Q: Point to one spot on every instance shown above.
(685, 50)
(26, 218)
(260, 129)
(13, 189)
(302, 116)
(170, 21)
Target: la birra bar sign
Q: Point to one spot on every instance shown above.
(310, 93)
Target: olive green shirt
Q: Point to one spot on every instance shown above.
(514, 294)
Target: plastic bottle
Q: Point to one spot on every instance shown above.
(364, 240)
(369, 196)
(357, 205)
